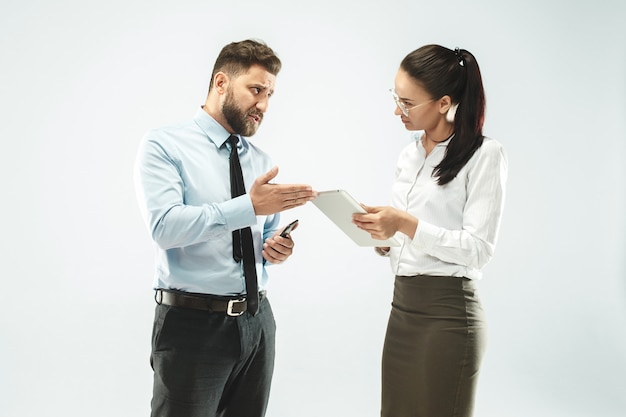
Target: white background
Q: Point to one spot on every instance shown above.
(82, 81)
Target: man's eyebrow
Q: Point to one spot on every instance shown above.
(262, 87)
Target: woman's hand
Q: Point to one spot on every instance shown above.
(382, 222)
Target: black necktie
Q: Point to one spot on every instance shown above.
(243, 246)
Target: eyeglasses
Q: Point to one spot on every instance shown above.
(401, 104)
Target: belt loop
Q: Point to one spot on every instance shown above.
(158, 296)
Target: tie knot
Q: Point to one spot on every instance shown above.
(233, 141)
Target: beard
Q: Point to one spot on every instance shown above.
(239, 119)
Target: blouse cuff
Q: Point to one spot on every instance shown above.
(426, 235)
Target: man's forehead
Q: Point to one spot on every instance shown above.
(259, 76)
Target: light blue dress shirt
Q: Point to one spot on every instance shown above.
(182, 179)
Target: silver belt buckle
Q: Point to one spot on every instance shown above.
(229, 308)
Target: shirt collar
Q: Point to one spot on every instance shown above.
(215, 131)
(417, 136)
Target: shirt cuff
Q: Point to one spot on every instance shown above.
(426, 235)
(239, 212)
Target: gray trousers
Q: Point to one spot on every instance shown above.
(433, 348)
(212, 365)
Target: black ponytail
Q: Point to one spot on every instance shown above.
(442, 71)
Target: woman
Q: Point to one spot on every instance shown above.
(446, 209)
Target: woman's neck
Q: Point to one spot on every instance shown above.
(432, 138)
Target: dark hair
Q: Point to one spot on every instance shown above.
(442, 71)
(237, 58)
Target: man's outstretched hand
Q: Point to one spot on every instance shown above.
(273, 198)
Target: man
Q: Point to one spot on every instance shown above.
(213, 337)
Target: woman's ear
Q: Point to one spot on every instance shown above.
(446, 106)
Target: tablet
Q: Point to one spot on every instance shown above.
(339, 206)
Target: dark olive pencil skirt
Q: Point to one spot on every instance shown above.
(433, 348)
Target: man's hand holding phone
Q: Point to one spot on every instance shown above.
(279, 247)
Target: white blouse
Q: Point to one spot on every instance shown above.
(458, 222)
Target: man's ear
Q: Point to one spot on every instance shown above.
(221, 82)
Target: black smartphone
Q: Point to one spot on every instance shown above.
(288, 228)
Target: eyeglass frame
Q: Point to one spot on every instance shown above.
(402, 106)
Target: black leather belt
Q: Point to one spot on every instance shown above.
(232, 306)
